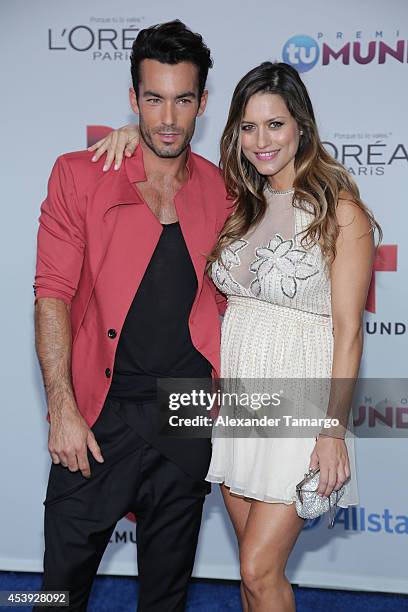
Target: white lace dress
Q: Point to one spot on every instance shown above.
(277, 325)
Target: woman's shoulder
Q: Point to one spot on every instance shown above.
(351, 216)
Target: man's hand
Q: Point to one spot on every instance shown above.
(70, 437)
(331, 456)
(118, 142)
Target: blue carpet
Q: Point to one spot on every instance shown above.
(119, 594)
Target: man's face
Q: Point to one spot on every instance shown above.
(167, 105)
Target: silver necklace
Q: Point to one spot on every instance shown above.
(278, 192)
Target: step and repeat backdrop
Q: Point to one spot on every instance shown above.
(65, 79)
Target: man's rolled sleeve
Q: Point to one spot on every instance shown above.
(60, 238)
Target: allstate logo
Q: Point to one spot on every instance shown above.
(302, 52)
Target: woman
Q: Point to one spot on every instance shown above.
(295, 260)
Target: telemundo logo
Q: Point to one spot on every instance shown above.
(302, 52)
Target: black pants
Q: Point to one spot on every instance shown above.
(81, 514)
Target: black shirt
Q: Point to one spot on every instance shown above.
(155, 341)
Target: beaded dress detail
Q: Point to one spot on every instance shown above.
(277, 325)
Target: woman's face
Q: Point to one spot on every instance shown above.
(270, 137)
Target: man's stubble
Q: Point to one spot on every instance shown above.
(165, 151)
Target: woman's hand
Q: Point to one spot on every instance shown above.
(331, 456)
(118, 142)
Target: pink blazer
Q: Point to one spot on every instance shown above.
(95, 239)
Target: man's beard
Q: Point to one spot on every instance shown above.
(165, 150)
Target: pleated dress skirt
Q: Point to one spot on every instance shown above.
(261, 340)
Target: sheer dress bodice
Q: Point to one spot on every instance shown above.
(271, 264)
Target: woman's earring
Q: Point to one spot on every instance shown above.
(301, 133)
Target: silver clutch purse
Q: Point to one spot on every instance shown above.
(310, 505)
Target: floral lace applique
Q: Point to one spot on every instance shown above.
(228, 259)
(292, 264)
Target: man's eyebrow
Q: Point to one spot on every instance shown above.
(152, 94)
(187, 94)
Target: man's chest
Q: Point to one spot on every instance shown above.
(160, 200)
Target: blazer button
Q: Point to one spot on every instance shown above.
(112, 333)
(107, 373)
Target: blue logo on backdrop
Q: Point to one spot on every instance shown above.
(358, 518)
(302, 52)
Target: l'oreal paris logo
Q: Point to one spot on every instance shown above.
(106, 38)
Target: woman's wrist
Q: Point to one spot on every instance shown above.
(330, 435)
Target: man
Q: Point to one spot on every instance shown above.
(122, 299)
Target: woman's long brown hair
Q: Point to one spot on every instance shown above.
(320, 180)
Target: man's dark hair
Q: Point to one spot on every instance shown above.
(170, 43)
